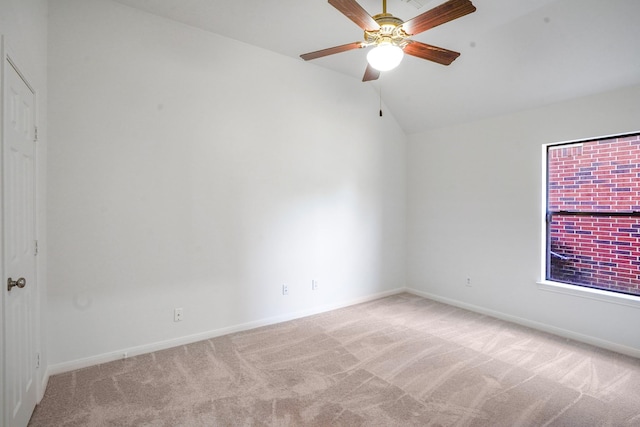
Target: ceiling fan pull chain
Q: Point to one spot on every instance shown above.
(380, 97)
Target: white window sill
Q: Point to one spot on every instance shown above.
(595, 294)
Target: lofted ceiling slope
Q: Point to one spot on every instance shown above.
(515, 54)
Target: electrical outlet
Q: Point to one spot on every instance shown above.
(468, 282)
(177, 315)
(285, 290)
(314, 285)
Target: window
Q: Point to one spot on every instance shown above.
(593, 214)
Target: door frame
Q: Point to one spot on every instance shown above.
(40, 374)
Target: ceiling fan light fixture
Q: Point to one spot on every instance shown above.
(389, 36)
(385, 56)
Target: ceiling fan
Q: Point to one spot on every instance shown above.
(390, 35)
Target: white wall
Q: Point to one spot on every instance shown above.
(474, 210)
(190, 170)
(23, 23)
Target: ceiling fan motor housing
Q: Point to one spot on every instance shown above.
(390, 31)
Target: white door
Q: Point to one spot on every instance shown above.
(18, 190)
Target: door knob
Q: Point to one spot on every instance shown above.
(21, 283)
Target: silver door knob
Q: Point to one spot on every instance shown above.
(21, 283)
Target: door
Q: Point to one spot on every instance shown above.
(19, 285)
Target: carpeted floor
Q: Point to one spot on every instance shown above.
(396, 361)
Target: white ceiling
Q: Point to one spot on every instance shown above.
(515, 54)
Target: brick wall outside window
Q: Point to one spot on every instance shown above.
(600, 176)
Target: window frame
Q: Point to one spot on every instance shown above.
(545, 283)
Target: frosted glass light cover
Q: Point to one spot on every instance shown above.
(385, 57)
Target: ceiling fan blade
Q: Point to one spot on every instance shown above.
(352, 10)
(446, 12)
(430, 53)
(370, 74)
(331, 51)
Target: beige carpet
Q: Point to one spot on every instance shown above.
(397, 361)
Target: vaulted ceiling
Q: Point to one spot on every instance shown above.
(515, 54)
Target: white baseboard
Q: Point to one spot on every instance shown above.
(43, 385)
(618, 348)
(162, 345)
